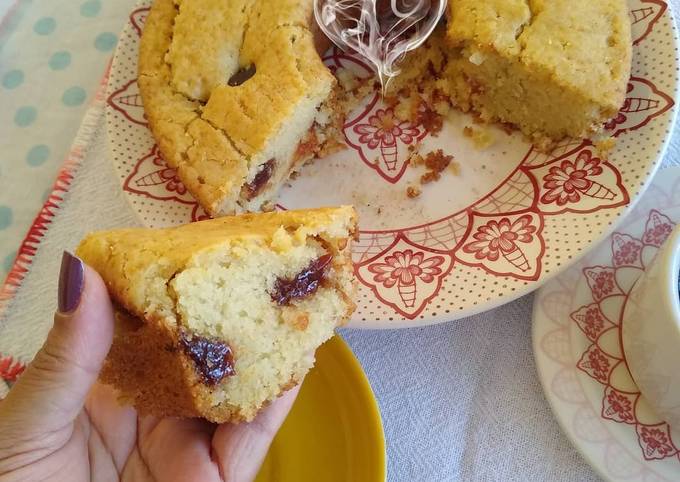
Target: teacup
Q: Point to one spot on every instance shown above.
(651, 332)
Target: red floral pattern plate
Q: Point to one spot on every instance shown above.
(511, 219)
(579, 353)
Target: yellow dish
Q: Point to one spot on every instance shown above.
(334, 431)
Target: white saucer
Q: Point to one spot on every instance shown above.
(578, 351)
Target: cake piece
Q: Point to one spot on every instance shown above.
(216, 318)
(552, 69)
(236, 96)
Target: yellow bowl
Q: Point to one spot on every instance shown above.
(334, 431)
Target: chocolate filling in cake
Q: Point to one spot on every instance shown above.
(304, 284)
(254, 187)
(213, 359)
(241, 76)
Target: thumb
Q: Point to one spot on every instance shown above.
(240, 449)
(52, 390)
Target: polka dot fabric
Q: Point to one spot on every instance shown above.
(53, 56)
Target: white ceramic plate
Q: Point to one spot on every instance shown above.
(579, 355)
(439, 257)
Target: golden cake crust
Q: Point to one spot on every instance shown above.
(581, 44)
(125, 258)
(552, 69)
(215, 134)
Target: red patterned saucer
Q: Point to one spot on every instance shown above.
(511, 219)
(579, 353)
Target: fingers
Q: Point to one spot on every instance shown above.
(52, 390)
(241, 448)
(180, 449)
(115, 424)
(174, 449)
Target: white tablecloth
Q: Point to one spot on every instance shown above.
(460, 401)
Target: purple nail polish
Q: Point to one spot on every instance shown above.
(70, 282)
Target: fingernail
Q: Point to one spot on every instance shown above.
(70, 282)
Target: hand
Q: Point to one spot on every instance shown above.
(58, 424)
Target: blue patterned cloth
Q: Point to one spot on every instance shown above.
(53, 56)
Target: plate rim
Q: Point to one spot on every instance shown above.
(374, 406)
(339, 349)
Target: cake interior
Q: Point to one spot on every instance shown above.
(237, 299)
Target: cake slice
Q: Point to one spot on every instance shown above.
(216, 318)
(553, 69)
(237, 96)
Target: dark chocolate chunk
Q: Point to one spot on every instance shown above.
(254, 187)
(305, 283)
(213, 359)
(241, 76)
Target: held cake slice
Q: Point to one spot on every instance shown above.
(236, 95)
(551, 68)
(216, 318)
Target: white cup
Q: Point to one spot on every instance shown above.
(651, 332)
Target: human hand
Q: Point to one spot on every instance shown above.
(58, 424)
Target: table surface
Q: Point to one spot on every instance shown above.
(52, 58)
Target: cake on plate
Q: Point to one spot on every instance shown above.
(236, 95)
(215, 319)
(553, 69)
(238, 98)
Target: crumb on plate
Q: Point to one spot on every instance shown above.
(413, 191)
(481, 137)
(431, 120)
(604, 147)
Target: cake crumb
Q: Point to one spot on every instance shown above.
(413, 192)
(544, 145)
(268, 207)
(416, 159)
(481, 138)
(430, 119)
(508, 128)
(331, 146)
(347, 79)
(406, 107)
(604, 147)
(430, 176)
(437, 161)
